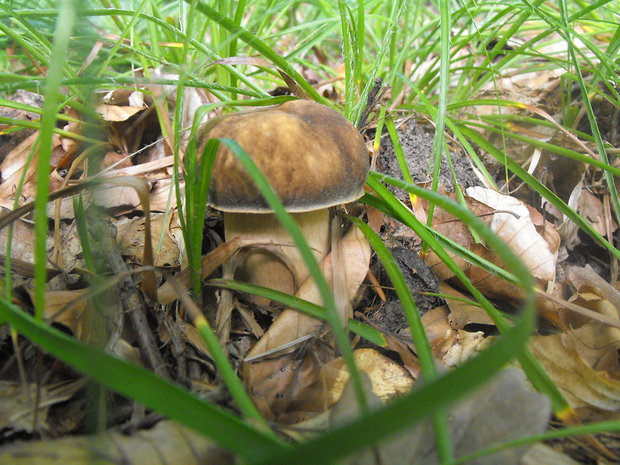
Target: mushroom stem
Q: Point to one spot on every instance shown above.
(274, 261)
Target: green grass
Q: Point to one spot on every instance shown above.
(437, 57)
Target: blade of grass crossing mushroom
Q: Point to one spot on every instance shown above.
(293, 230)
(196, 194)
(145, 387)
(423, 348)
(536, 374)
(436, 394)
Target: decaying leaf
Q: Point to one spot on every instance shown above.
(130, 237)
(579, 276)
(450, 346)
(166, 443)
(13, 167)
(388, 379)
(542, 454)
(463, 313)
(18, 403)
(583, 362)
(22, 241)
(66, 308)
(276, 383)
(209, 263)
(504, 409)
(512, 221)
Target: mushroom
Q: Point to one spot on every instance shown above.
(312, 157)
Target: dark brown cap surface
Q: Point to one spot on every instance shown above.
(310, 154)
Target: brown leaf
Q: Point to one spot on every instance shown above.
(510, 219)
(166, 443)
(504, 409)
(18, 403)
(463, 313)
(292, 325)
(583, 362)
(130, 238)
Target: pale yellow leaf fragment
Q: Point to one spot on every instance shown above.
(116, 113)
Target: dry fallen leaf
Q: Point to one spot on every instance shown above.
(511, 220)
(17, 404)
(166, 443)
(66, 308)
(504, 409)
(275, 384)
(22, 241)
(130, 238)
(450, 346)
(463, 313)
(583, 362)
(388, 379)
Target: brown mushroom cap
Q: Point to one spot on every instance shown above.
(310, 154)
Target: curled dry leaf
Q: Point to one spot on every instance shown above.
(22, 242)
(583, 362)
(450, 346)
(511, 220)
(542, 454)
(19, 401)
(164, 444)
(130, 237)
(66, 308)
(382, 378)
(463, 313)
(210, 262)
(514, 225)
(12, 169)
(579, 276)
(275, 384)
(388, 379)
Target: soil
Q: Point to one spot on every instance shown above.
(416, 140)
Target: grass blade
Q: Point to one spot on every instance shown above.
(142, 385)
